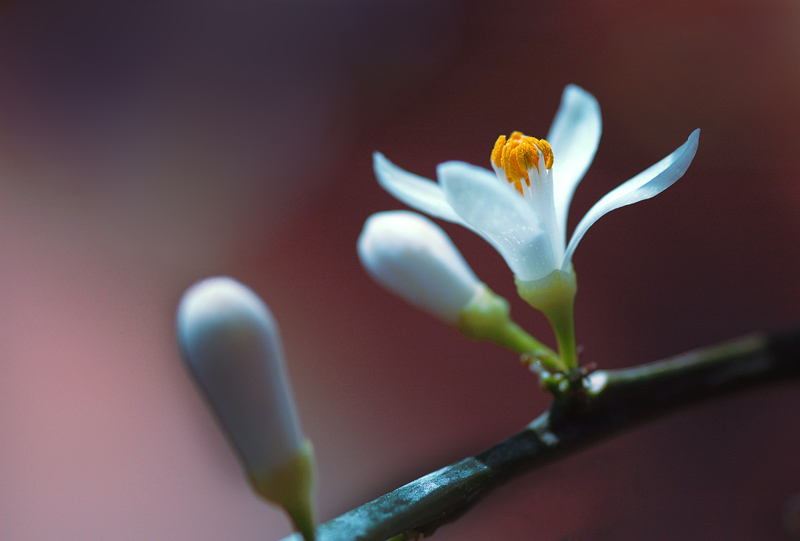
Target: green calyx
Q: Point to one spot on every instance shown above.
(487, 317)
(292, 486)
(554, 296)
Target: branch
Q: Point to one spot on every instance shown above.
(611, 401)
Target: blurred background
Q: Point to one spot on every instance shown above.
(146, 145)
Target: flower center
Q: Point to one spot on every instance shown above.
(518, 155)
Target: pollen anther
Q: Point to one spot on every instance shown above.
(520, 154)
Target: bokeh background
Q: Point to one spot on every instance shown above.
(145, 145)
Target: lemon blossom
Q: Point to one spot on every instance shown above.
(520, 207)
(230, 344)
(526, 221)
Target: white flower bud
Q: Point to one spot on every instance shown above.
(230, 343)
(412, 257)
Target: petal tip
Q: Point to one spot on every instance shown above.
(454, 171)
(446, 168)
(691, 144)
(573, 88)
(384, 169)
(378, 160)
(573, 91)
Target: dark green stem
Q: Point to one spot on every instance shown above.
(610, 402)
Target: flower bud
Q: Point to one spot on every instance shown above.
(412, 257)
(230, 344)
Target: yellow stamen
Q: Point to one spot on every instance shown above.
(519, 154)
(497, 153)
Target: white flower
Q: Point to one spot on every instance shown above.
(412, 257)
(230, 343)
(521, 207)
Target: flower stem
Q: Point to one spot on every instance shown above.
(554, 296)
(487, 317)
(292, 486)
(516, 339)
(563, 322)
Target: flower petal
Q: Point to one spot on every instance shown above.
(645, 185)
(501, 216)
(413, 190)
(574, 136)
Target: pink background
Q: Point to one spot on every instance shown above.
(145, 145)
